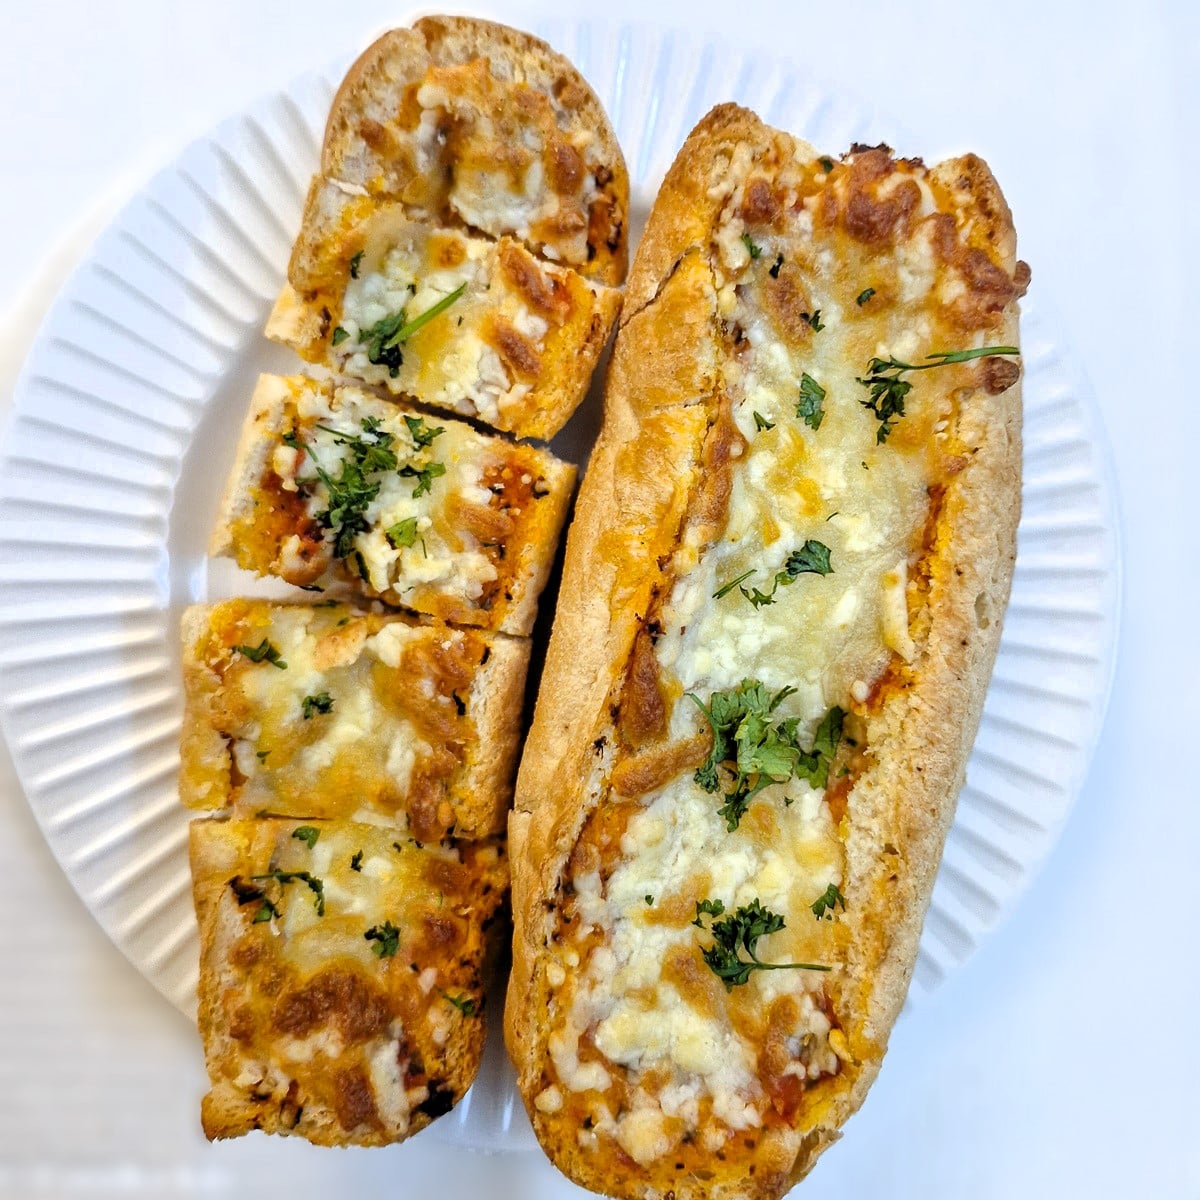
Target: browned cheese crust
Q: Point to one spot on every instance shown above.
(468, 163)
(340, 990)
(667, 492)
(327, 711)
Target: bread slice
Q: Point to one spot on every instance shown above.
(340, 990)
(326, 711)
(783, 593)
(473, 123)
(515, 347)
(331, 484)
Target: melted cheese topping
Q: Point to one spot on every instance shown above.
(393, 746)
(501, 156)
(691, 1057)
(481, 356)
(303, 1012)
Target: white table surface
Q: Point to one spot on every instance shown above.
(1064, 1059)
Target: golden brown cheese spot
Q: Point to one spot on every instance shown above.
(697, 986)
(353, 1099)
(542, 291)
(643, 712)
(786, 302)
(642, 773)
(338, 997)
(516, 351)
(760, 205)
(873, 214)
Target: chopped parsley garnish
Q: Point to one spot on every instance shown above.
(464, 1004)
(247, 893)
(814, 319)
(307, 834)
(384, 339)
(761, 422)
(724, 591)
(755, 752)
(357, 482)
(864, 296)
(315, 885)
(773, 270)
(322, 702)
(825, 903)
(263, 652)
(261, 755)
(751, 248)
(811, 406)
(386, 939)
(813, 558)
(422, 434)
(888, 389)
(355, 263)
(356, 861)
(424, 476)
(339, 336)
(826, 163)
(738, 932)
(649, 899)
(403, 533)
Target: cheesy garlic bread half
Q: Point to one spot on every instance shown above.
(328, 711)
(332, 484)
(340, 976)
(782, 598)
(464, 239)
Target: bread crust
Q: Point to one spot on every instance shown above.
(628, 518)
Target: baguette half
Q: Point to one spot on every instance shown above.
(782, 598)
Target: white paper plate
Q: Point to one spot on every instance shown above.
(124, 423)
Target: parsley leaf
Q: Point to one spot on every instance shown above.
(357, 482)
(386, 938)
(355, 263)
(773, 270)
(755, 752)
(825, 903)
(339, 336)
(649, 899)
(322, 702)
(263, 652)
(888, 389)
(864, 296)
(811, 408)
(307, 834)
(814, 319)
(751, 248)
(464, 1004)
(403, 533)
(422, 434)
(813, 558)
(425, 476)
(738, 932)
(826, 163)
(315, 885)
(247, 893)
(761, 422)
(384, 339)
(356, 861)
(727, 588)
